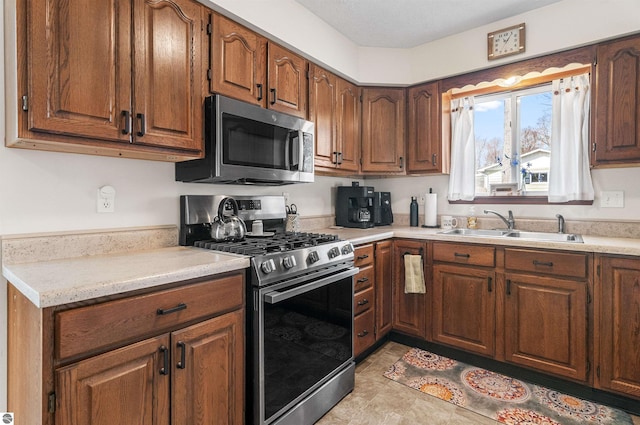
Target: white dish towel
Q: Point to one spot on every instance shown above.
(413, 275)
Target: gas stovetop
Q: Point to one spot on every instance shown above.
(287, 255)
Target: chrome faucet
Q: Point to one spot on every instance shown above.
(510, 222)
(560, 223)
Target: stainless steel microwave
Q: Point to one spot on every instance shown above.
(247, 144)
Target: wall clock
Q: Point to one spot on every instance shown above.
(505, 42)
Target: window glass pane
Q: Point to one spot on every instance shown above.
(535, 135)
(489, 131)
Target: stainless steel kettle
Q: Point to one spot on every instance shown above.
(228, 228)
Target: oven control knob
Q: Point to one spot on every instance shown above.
(313, 257)
(289, 262)
(268, 266)
(333, 252)
(347, 249)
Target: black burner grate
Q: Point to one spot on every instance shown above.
(281, 242)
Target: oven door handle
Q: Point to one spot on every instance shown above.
(278, 296)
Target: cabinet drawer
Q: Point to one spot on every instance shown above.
(557, 263)
(474, 255)
(364, 279)
(363, 301)
(364, 336)
(363, 255)
(98, 327)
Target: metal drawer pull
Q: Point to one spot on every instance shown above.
(363, 302)
(363, 333)
(457, 254)
(183, 348)
(143, 125)
(126, 128)
(363, 257)
(165, 363)
(362, 280)
(259, 91)
(542, 263)
(273, 96)
(162, 311)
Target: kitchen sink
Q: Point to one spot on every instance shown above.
(504, 233)
(475, 232)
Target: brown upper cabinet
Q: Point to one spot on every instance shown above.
(111, 78)
(617, 103)
(383, 124)
(248, 67)
(334, 107)
(428, 150)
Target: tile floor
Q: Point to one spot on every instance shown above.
(377, 400)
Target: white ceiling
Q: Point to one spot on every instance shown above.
(409, 23)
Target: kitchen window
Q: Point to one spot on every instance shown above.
(522, 140)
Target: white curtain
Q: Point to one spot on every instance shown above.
(569, 173)
(463, 151)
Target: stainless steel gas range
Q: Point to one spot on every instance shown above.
(299, 309)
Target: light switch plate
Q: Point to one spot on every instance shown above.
(612, 199)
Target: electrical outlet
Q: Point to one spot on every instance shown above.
(106, 199)
(612, 199)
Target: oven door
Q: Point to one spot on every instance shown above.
(304, 337)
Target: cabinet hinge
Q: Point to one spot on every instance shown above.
(25, 103)
(588, 367)
(209, 74)
(52, 403)
(360, 161)
(598, 371)
(593, 149)
(598, 270)
(209, 29)
(588, 297)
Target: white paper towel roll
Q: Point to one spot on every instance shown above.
(431, 210)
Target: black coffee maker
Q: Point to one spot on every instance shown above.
(354, 206)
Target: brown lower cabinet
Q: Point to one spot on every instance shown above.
(617, 325)
(141, 359)
(409, 310)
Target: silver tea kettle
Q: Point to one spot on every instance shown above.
(229, 228)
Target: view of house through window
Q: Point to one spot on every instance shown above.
(512, 136)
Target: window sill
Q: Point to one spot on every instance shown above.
(526, 200)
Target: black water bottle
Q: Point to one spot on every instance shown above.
(413, 212)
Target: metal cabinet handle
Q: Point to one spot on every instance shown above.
(363, 333)
(363, 302)
(126, 128)
(489, 284)
(336, 156)
(143, 125)
(363, 257)
(273, 96)
(259, 91)
(434, 159)
(457, 254)
(339, 158)
(164, 351)
(542, 263)
(401, 162)
(508, 286)
(183, 348)
(164, 311)
(362, 280)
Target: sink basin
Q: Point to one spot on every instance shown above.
(534, 236)
(476, 232)
(544, 236)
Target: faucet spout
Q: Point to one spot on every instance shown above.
(560, 223)
(510, 222)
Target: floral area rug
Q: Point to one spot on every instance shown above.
(497, 396)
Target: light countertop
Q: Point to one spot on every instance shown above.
(56, 282)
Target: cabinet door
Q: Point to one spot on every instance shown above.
(424, 136)
(617, 103)
(464, 308)
(618, 322)
(79, 66)
(238, 58)
(129, 385)
(208, 372)
(348, 131)
(322, 111)
(168, 74)
(287, 81)
(545, 321)
(384, 288)
(409, 310)
(383, 123)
